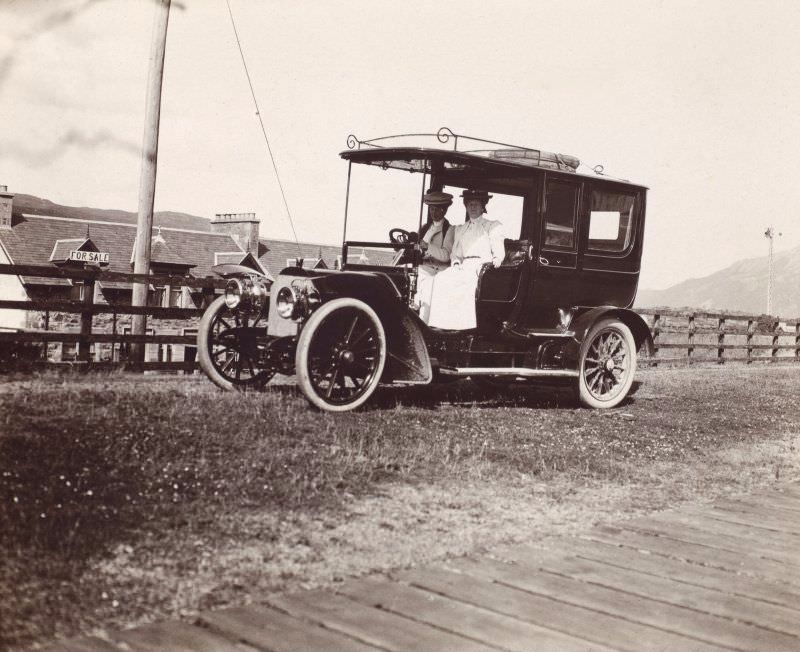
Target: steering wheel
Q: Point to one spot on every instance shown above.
(401, 236)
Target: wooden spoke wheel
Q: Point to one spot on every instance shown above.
(341, 355)
(607, 364)
(229, 347)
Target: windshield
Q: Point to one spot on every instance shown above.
(383, 199)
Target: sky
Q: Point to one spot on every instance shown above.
(696, 100)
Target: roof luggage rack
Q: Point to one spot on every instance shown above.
(521, 155)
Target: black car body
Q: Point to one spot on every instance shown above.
(558, 307)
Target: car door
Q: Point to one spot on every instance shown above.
(611, 245)
(555, 260)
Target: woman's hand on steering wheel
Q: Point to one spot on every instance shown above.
(401, 236)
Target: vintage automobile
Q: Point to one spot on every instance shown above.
(556, 310)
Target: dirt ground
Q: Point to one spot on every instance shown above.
(687, 435)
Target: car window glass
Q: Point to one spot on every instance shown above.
(506, 209)
(381, 200)
(610, 221)
(559, 219)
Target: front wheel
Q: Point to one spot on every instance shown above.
(228, 347)
(607, 363)
(340, 355)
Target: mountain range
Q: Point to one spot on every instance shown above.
(740, 287)
(168, 219)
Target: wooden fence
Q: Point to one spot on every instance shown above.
(691, 337)
(680, 336)
(87, 309)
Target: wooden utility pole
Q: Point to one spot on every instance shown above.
(147, 178)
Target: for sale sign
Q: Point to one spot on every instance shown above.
(96, 257)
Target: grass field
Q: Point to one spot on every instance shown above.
(125, 499)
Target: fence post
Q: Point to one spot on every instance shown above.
(690, 338)
(721, 341)
(750, 329)
(84, 346)
(656, 331)
(797, 340)
(776, 327)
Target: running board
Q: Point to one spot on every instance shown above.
(525, 372)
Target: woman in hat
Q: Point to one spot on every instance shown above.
(435, 243)
(475, 242)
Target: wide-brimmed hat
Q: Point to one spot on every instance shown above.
(481, 195)
(437, 198)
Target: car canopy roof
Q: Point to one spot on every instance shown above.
(491, 158)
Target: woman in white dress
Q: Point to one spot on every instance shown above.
(475, 242)
(435, 243)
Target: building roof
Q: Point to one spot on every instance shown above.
(41, 239)
(282, 251)
(33, 238)
(62, 248)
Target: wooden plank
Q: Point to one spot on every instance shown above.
(712, 578)
(711, 629)
(461, 618)
(51, 271)
(81, 644)
(116, 366)
(174, 636)
(781, 500)
(158, 312)
(702, 555)
(778, 540)
(272, 630)
(771, 502)
(373, 626)
(765, 548)
(61, 336)
(783, 624)
(564, 604)
(763, 521)
(771, 510)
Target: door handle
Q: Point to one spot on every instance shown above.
(543, 261)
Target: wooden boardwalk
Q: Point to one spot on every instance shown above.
(721, 577)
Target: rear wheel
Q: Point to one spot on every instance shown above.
(341, 355)
(228, 346)
(607, 363)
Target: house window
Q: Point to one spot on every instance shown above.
(175, 297)
(610, 221)
(78, 291)
(155, 297)
(69, 351)
(559, 217)
(125, 347)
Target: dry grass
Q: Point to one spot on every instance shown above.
(126, 498)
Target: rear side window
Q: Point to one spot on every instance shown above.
(561, 207)
(610, 221)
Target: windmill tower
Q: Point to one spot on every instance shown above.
(770, 235)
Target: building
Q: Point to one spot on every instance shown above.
(37, 232)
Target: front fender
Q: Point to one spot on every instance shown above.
(584, 321)
(408, 359)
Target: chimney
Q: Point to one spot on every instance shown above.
(6, 200)
(242, 227)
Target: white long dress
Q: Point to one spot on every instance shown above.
(436, 258)
(453, 300)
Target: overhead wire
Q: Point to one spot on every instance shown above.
(263, 130)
